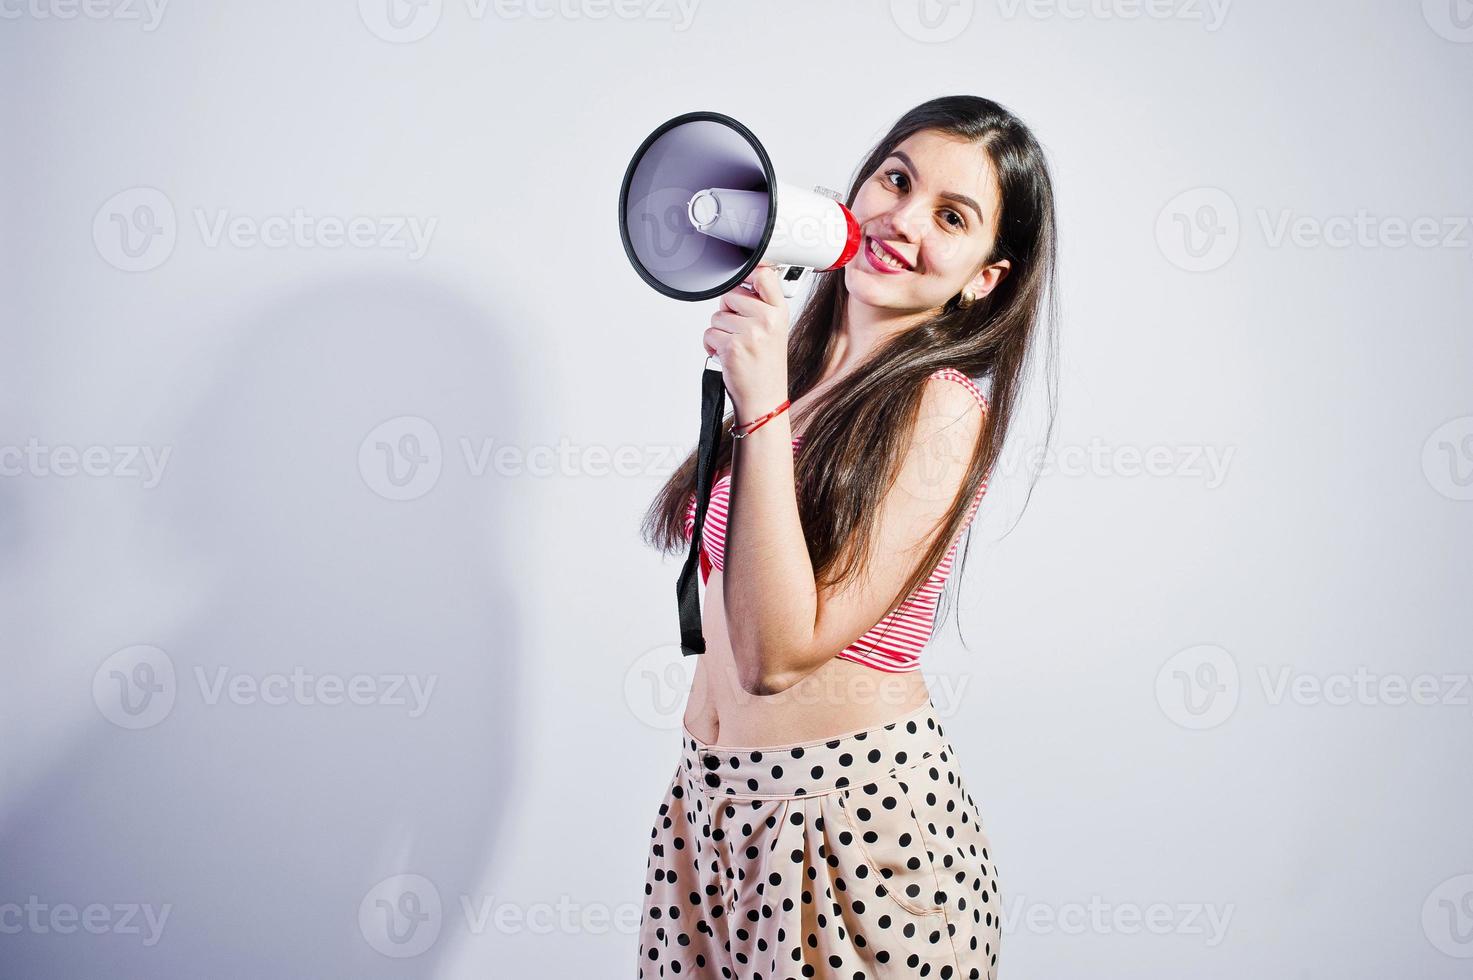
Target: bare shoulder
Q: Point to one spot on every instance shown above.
(950, 390)
(948, 426)
(951, 414)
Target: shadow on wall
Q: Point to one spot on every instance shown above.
(341, 706)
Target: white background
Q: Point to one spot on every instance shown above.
(1177, 695)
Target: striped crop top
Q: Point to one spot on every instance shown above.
(894, 644)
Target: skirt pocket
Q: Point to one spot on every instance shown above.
(891, 854)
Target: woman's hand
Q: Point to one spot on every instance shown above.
(749, 336)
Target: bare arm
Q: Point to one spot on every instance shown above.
(782, 628)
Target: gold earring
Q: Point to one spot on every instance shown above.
(968, 297)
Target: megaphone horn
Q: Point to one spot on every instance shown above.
(701, 206)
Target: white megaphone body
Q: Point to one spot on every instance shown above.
(701, 207)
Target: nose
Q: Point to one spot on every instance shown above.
(905, 221)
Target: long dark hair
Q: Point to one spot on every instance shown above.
(860, 430)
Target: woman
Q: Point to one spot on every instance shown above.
(817, 823)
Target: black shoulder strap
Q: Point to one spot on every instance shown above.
(687, 597)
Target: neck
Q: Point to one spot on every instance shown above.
(862, 328)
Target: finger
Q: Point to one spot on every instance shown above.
(740, 301)
(764, 280)
(764, 264)
(716, 340)
(727, 322)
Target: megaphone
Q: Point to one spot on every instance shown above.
(701, 206)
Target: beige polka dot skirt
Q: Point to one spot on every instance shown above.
(861, 856)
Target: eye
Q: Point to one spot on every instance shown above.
(960, 224)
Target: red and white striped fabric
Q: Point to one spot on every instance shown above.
(894, 644)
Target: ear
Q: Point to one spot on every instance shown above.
(987, 278)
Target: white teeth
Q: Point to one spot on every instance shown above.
(883, 255)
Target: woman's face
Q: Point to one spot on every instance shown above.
(932, 206)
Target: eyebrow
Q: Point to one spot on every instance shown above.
(949, 195)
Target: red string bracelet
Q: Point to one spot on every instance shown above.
(756, 424)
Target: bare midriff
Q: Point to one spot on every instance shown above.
(839, 697)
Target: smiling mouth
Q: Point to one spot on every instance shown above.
(886, 257)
